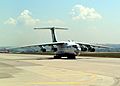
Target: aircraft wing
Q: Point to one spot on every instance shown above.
(93, 45)
(44, 44)
(50, 44)
(35, 47)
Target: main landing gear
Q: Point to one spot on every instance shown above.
(68, 57)
(71, 57)
(57, 57)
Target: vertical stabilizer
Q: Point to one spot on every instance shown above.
(53, 32)
(53, 35)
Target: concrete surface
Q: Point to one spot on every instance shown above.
(41, 70)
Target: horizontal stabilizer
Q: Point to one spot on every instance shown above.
(53, 28)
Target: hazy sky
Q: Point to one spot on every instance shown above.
(93, 21)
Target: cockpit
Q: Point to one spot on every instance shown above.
(74, 46)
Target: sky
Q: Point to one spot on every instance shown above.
(90, 21)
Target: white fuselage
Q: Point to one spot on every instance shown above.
(69, 48)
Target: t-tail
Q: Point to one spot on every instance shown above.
(53, 32)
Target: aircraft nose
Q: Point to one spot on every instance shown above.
(77, 51)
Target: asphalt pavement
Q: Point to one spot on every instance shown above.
(42, 70)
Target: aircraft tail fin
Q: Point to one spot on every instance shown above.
(53, 32)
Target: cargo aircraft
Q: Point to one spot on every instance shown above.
(69, 49)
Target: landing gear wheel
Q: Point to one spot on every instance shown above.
(71, 57)
(57, 57)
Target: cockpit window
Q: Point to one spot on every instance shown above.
(75, 46)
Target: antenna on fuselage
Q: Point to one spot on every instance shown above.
(53, 32)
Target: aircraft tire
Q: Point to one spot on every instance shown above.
(57, 57)
(71, 57)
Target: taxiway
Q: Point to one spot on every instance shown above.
(42, 70)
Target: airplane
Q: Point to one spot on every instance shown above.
(69, 49)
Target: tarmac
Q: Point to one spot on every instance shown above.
(42, 70)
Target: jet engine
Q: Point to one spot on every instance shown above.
(84, 48)
(91, 49)
(43, 49)
(54, 49)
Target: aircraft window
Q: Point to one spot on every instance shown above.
(68, 46)
(75, 46)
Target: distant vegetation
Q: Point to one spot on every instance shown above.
(101, 54)
(112, 48)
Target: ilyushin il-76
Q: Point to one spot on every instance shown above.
(69, 49)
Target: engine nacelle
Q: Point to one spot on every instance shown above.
(54, 49)
(91, 49)
(83, 49)
(43, 49)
